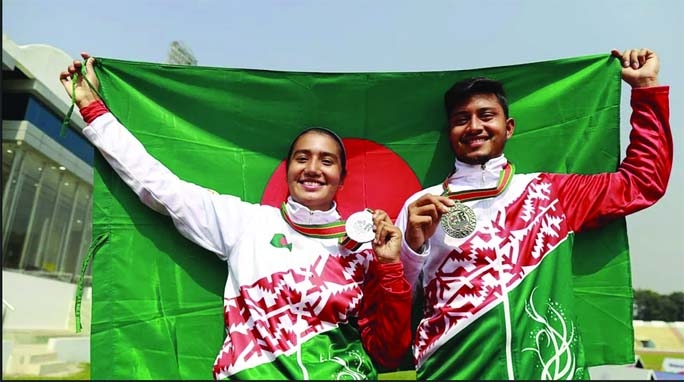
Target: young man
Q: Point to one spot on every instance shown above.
(491, 245)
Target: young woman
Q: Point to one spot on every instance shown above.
(299, 302)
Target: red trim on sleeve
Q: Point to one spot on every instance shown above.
(93, 110)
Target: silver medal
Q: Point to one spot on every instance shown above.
(359, 226)
(459, 222)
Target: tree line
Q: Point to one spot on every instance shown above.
(652, 306)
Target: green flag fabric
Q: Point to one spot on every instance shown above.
(157, 298)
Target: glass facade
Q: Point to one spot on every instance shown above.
(46, 210)
(46, 215)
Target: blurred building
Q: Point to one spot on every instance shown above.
(47, 185)
(46, 178)
(180, 54)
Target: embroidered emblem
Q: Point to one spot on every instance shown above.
(347, 372)
(554, 341)
(279, 240)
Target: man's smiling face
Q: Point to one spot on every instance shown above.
(478, 129)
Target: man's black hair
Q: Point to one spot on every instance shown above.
(461, 91)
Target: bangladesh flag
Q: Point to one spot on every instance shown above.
(157, 298)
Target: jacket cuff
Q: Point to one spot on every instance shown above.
(422, 251)
(391, 276)
(93, 110)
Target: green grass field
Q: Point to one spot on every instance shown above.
(654, 360)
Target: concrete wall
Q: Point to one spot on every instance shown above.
(40, 303)
(6, 351)
(71, 349)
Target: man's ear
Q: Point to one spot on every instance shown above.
(510, 127)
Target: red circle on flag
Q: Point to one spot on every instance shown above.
(377, 178)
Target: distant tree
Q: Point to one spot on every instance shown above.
(648, 305)
(652, 306)
(677, 305)
(668, 308)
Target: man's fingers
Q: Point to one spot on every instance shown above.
(423, 220)
(634, 58)
(638, 57)
(625, 57)
(423, 216)
(439, 203)
(644, 55)
(432, 211)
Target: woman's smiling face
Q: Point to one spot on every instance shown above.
(314, 170)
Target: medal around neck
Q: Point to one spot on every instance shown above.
(459, 222)
(359, 226)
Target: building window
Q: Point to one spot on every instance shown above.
(78, 233)
(14, 106)
(46, 215)
(12, 241)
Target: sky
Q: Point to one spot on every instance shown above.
(395, 35)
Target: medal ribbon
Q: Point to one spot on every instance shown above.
(505, 177)
(322, 231)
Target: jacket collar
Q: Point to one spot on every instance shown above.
(301, 214)
(479, 176)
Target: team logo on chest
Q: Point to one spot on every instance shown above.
(279, 240)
